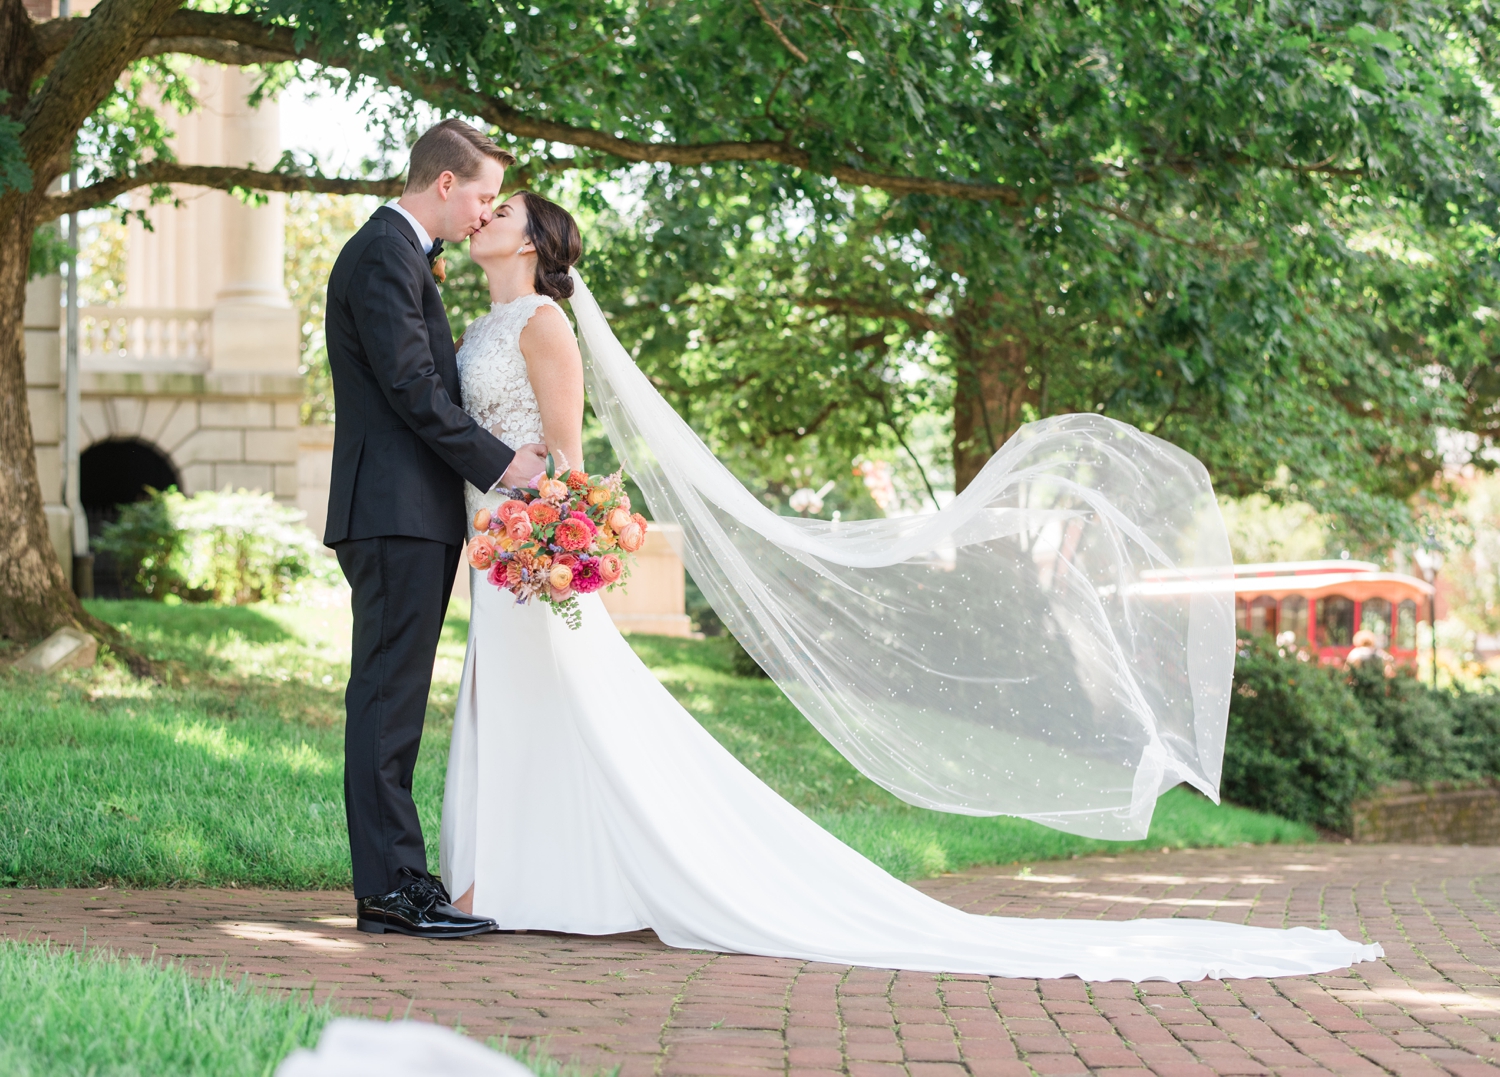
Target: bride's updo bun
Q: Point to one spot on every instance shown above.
(553, 232)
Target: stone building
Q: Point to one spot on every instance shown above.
(194, 382)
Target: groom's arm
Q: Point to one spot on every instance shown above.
(388, 317)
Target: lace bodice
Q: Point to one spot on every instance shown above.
(492, 377)
(492, 371)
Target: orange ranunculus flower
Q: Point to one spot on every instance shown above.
(482, 520)
(542, 513)
(577, 480)
(552, 489)
(598, 495)
(609, 568)
(518, 528)
(481, 551)
(560, 577)
(638, 518)
(616, 519)
(510, 508)
(572, 535)
(632, 537)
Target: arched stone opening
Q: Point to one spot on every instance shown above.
(112, 473)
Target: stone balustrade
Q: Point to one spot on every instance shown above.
(144, 338)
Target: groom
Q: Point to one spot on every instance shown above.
(402, 449)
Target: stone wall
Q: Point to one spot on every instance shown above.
(1439, 814)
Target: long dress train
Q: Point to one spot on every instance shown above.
(583, 798)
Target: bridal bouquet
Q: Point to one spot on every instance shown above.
(568, 534)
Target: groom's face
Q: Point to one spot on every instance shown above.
(471, 203)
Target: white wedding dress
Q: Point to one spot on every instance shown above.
(581, 797)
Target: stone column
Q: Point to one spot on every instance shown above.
(254, 325)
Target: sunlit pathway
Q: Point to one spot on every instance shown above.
(1432, 1006)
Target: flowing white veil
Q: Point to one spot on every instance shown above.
(1056, 644)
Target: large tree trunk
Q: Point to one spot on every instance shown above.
(34, 595)
(991, 386)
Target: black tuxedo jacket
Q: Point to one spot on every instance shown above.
(402, 445)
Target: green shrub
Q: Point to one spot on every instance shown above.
(214, 547)
(1416, 724)
(1299, 744)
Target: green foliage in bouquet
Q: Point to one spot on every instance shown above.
(229, 547)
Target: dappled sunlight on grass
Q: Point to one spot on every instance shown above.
(231, 772)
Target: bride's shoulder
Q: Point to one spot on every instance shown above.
(547, 326)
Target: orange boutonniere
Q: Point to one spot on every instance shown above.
(439, 270)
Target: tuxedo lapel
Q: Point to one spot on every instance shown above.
(390, 216)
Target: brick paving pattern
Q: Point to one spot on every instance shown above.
(1431, 1007)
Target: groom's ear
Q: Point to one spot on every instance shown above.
(444, 184)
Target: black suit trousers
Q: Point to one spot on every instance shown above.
(401, 587)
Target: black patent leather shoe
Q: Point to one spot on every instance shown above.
(419, 907)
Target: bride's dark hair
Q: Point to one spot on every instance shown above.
(553, 232)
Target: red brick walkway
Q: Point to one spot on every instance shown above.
(1432, 1006)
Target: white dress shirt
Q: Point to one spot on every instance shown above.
(422, 237)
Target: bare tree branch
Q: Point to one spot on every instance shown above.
(836, 305)
(219, 177)
(226, 178)
(212, 48)
(775, 25)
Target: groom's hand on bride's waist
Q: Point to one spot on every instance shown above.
(530, 459)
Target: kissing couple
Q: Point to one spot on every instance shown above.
(1056, 643)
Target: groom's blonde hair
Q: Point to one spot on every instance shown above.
(452, 146)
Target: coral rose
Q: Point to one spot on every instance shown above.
(609, 568)
(572, 535)
(616, 519)
(482, 520)
(481, 552)
(542, 513)
(510, 508)
(552, 489)
(638, 518)
(577, 480)
(598, 495)
(518, 528)
(560, 577)
(587, 579)
(632, 537)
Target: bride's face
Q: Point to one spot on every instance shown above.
(505, 234)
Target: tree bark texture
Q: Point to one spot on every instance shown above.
(35, 598)
(991, 386)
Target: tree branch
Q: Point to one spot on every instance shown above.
(914, 318)
(215, 176)
(775, 25)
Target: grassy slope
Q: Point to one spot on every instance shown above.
(233, 773)
(68, 1013)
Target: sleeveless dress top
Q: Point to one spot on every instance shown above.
(493, 380)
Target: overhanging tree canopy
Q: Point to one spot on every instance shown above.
(1189, 169)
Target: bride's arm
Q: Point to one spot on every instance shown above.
(555, 368)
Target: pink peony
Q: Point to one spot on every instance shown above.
(609, 568)
(632, 537)
(481, 552)
(616, 519)
(587, 579)
(518, 528)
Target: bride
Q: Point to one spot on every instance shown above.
(1054, 644)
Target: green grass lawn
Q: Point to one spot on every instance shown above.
(231, 773)
(96, 1014)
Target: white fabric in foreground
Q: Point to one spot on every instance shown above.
(581, 797)
(353, 1048)
(1056, 644)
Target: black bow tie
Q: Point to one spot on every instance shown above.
(437, 249)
